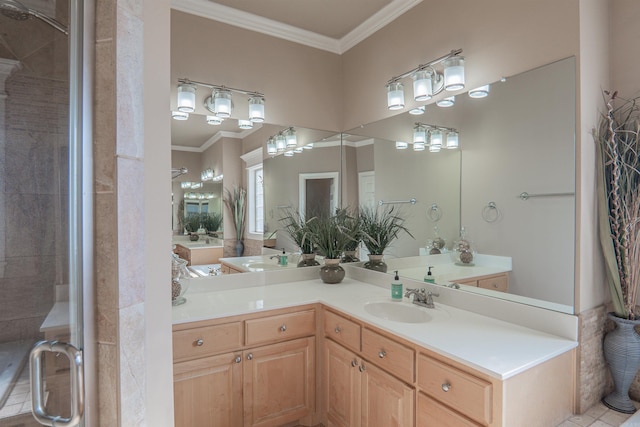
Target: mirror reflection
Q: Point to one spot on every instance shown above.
(515, 184)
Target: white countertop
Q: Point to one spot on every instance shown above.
(496, 347)
(201, 243)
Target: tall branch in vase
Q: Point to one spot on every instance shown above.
(235, 201)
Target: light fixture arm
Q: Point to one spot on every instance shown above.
(426, 125)
(420, 67)
(219, 87)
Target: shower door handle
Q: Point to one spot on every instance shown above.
(37, 383)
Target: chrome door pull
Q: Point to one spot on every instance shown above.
(37, 383)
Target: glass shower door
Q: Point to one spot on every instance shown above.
(43, 213)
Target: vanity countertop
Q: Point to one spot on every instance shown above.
(496, 347)
(201, 243)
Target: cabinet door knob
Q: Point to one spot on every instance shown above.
(354, 363)
(337, 329)
(238, 359)
(495, 285)
(199, 342)
(283, 328)
(382, 354)
(446, 387)
(361, 368)
(250, 356)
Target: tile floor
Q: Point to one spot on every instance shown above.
(19, 401)
(599, 416)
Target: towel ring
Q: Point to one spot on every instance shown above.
(490, 213)
(434, 213)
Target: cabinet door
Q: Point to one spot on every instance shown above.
(279, 382)
(434, 414)
(342, 386)
(208, 392)
(386, 401)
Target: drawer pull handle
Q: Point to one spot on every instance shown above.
(250, 356)
(446, 387)
(199, 343)
(361, 368)
(238, 359)
(354, 363)
(382, 354)
(337, 329)
(495, 285)
(283, 328)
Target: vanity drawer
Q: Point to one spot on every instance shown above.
(497, 283)
(342, 330)
(207, 340)
(390, 355)
(460, 390)
(432, 413)
(281, 327)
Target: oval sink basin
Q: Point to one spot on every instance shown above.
(261, 266)
(397, 312)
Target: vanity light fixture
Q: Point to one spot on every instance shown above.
(214, 120)
(452, 140)
(419, 134)
(245, 124)
(402, 145)
(217, 178)
(435, 148)
(435, 138)
(190, 185)
(428, 80)
(272, 150)
(220, 102)
(207, 174)
(479, 92)
(186, 97)
(419, 146)
(418, 110)
(281, 143)
(179, 115)
(425, 134)
(309, 146)
(290, 137)
(285, 141)
(449, 101)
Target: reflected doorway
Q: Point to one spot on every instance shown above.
(318, 193)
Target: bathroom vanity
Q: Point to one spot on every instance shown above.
(202, 251)
(308, 352)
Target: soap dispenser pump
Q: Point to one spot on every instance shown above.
(283, 258)
(396, 288)
(429, 278)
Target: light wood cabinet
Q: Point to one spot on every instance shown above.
(199, 256)
(228, 269)
(386, 401)
(255, 371)
(496, 282)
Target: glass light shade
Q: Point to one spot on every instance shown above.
(436, 138)
(222, 103)
(185, 184)
(452, 140)
(196, 185)
(288, 153)
(245, 124)
(271, 147)
(206, 175)
(186, 98)
(401, 145)
(256, 109)
(290, 137)
(419, 146)
(417, 111)
(435, 148)
(453, 73)
(218, 177)
(309, 146)
(422, 85)
(213, 120)
(179, 115)
(449, 101)
(281, 143)
(419, 134)
(395, 96)
(479, 92)
(298, 150)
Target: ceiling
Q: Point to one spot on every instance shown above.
(333, 25)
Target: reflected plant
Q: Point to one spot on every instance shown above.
(298, 229)
(349, 221)
(211, 221)
(236, 203)
(379, 227)
(192, 222)
(330, 237)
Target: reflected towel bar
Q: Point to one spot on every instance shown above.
(524, 195)
(413, 201)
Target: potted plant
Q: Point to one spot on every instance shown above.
(192, 224)
(617, 150)
(331, 239)
(211, 221)
(236, 203)
(379, 227)
(298, 230)
(349, 221)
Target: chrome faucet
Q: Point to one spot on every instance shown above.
(276, 256)
(421, 297)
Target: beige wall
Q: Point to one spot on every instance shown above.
(624, 41)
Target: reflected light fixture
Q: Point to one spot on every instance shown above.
(186, 97)
(271, 147)
(222, 105)
(401, 145)
(309, 146)
(425, 134)
(256, 109)
(214, 120)
(419, 134)
(429, 79)
(452, 140)
(418, 146)
(281, 143)
(435, 138)
(245, 124)
(449, 101)
(418, 110)
(435, 148)
(207, 174)
(479, 92)
(298, 150)
(290, 137)
(288, 153)
(179, 115)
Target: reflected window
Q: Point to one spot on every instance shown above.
(255, 198)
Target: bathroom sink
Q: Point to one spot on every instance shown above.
(261, 266)
(398, 312)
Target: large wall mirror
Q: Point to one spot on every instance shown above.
(511, 185)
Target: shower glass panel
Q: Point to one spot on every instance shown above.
(39, 227)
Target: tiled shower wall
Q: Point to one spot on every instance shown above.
(33, 173)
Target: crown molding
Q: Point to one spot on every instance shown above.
(253, 157)
(228, 15)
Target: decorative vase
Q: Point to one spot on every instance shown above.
(239, 247)
(349, 256)
(193, 237)
(308, 260)
(622, 353)
(331, 272)
(376, 263)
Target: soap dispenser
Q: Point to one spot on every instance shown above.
(396, 288)
(429, 278)
(284, 259)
